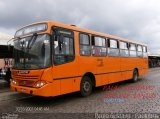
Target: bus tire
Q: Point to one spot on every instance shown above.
(135, 76)
(86, 86)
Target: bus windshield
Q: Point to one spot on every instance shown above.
(32, 52)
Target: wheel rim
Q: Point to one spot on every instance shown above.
(86, 86)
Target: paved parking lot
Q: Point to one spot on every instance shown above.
(124, 97)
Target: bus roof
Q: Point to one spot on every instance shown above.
(75, 28)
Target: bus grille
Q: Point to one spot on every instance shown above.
(25, 83)
(25, 77)
(26, 80)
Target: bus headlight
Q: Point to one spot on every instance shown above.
(14, 82)
(40, 84)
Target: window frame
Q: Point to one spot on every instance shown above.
(108, 47)
(146, 52)
(64, 35)
(139, 51)
(106, 39)
(123, 42)
(110, 44)
(133, 50)
(127, 43)
(85, 44)
(145, 48)
(141, 48)
(133, 44)
(99, 37)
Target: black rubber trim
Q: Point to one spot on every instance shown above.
(112, 72)
(94, 74)
(66, 77)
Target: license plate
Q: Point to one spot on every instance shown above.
(23, 90)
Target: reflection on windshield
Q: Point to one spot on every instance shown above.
(32, 52)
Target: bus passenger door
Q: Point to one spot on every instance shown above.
(64, 65)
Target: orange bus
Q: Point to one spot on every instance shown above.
(52, 58)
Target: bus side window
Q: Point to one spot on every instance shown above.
(99, 46)
(145, 52)
(139, 51)
(132, 50)
(63, 47)
(84, 45)
(113, 49)
(124, 49)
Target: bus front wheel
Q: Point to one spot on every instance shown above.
(135, 76)
(86, 86)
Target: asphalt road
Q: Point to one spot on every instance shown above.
(129, 99)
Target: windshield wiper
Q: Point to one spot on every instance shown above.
(29, 46)
(32, 41)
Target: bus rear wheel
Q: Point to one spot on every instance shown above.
(135, 76)
(86, 86)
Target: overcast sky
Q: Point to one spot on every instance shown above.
(133, 19)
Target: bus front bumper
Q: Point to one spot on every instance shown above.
(45, 91)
